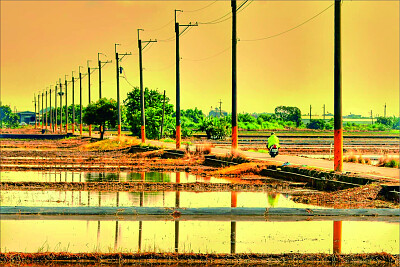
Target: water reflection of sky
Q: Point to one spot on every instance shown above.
(196, 236)
(150, 199)
(68, 176)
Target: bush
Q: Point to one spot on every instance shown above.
(316, 124)
(216, 128)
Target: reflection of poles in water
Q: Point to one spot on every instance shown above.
(337, 237)
(177, 202)
(176, 236)
(233, 223)
(116, 236)
(141, 197)
(140, 236)
(98, 235)
(65, 176)
(72, 176)
(72, 197)
(177, 193)
(80, 177)
(116, 227)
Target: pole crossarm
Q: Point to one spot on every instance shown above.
(187, 27)
(123, 55)
(148, 42)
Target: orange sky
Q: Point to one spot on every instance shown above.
(42, 41)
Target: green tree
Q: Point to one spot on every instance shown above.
(102, 113)
(193, 116)
(316, 124)
(289, 114)
(7, 118)
(216, 128)
(153, 104)
(388, 121)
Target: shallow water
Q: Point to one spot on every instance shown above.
(148, 199)
(68, 176)
(196, 236)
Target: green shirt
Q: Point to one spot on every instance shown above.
(273, 140)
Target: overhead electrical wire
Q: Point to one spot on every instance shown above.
(124, 76)
(224, 17)
(209, 57)
(161, 69)
(288, 30)
(162, 27)
(190, 11)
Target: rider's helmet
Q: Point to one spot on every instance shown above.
(272, 133)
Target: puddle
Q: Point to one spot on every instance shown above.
(147, 199)
(196, 236)
(67, 176)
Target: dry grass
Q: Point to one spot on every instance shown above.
(203, 149)
(245, 168)
(387, 161)
(234, 156)
(351, 157)
(111, 144)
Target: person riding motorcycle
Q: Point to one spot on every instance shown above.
(273, 140)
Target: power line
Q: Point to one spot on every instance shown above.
(202, 7)
(291, 29)
(162, 27)
(206, 58)
(161, 69)
(222, 19)
(123, 70)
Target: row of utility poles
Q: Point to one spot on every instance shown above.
(338, 132)
(57, 125)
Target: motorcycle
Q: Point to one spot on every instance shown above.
(273, 151)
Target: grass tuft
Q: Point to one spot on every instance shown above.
(111, 144)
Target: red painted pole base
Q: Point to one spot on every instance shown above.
(143, 134)
(338, 150)
(178, 137)
(234, 138)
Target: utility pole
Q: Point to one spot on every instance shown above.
(38, 104)
(73, 103)
(324, 112)
(162, 118)
(98, 60)
(178, 93)
(66, 105)
(384, 113)
(34, 100)
(42, 110)
(338, 131)
(372, 118)
(234, 79)
(100, 66)
(143, 120)
(90, 126)
(61, 106)
(310, 113)
(51, 111)
(220, 108)
(46, 108)
(118, 70)
(80, 100)
(55, 115)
